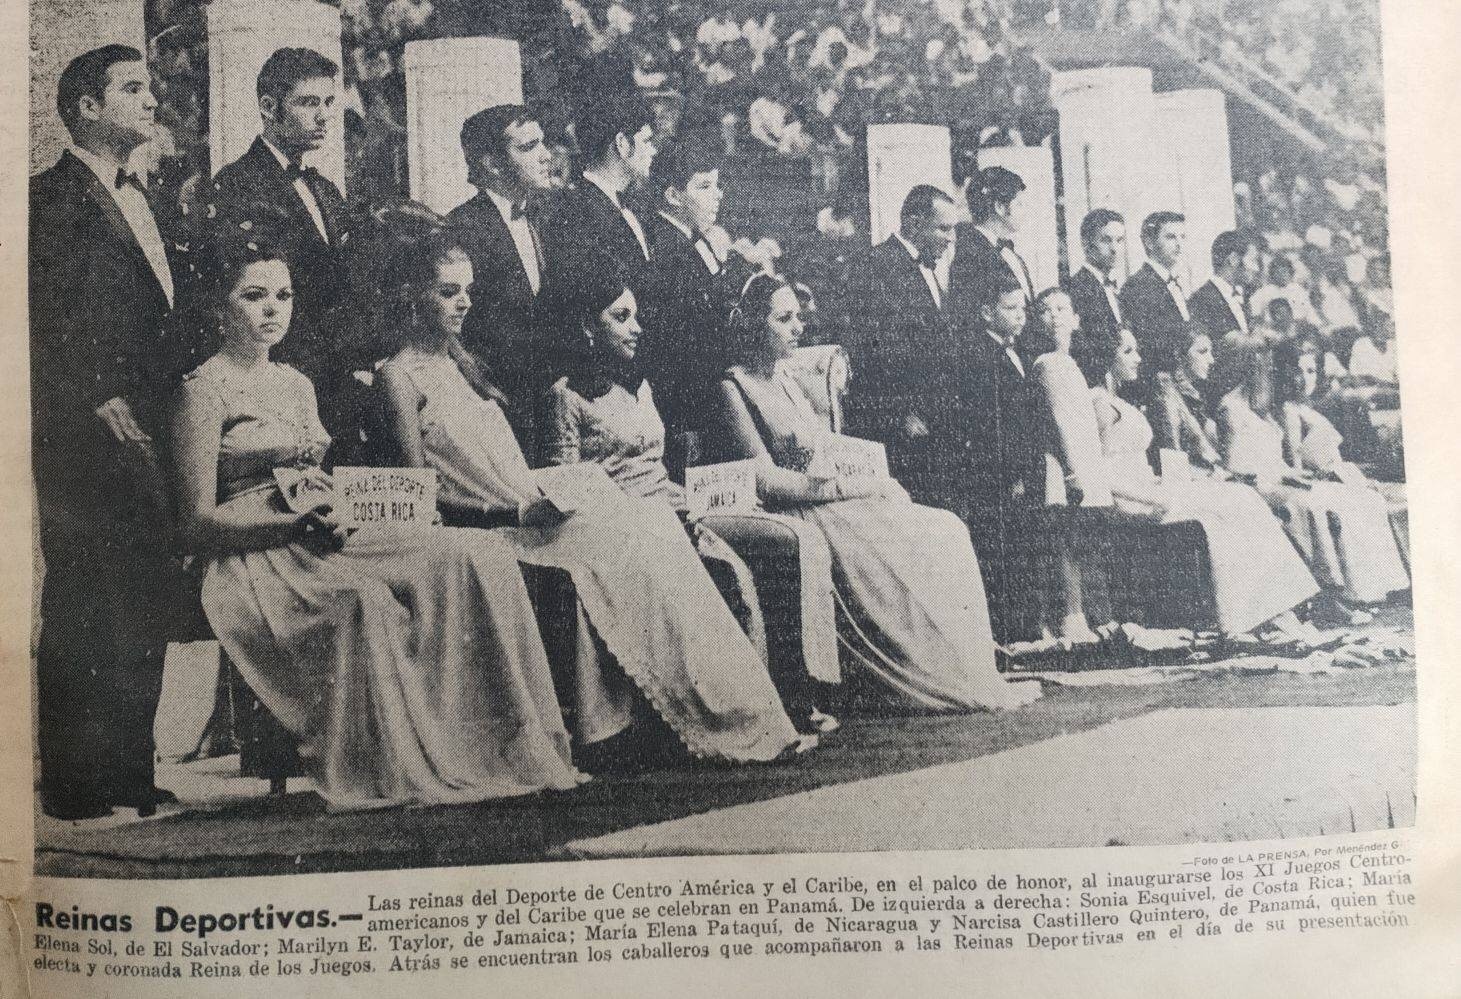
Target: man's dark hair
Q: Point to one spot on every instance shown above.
(86, 76)
(919, 204)
(1095, 221)
(990, 188)
(601, 121)
(485, 134)
(1280, 270)
(287, 68)
(993, 285)
(1151, 226)
(674, 166)
(1230, 243)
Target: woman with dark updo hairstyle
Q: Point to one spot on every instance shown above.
(407, 664)
(604, 411)
(663, 643)
(916, 620)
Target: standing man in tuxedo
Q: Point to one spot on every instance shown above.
(101, 292)
(685, 300)
(596, 214)
(902, 346)
(1094, 290)
(510, 164)
(1004, 458)
(1221, 308)
(270, 191)
(986, 246)
(1153, 301)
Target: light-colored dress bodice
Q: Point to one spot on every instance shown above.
(620, 430)
(637, 578)
(408, 664)
(917, 619)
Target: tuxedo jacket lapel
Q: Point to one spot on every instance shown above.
(107, 205)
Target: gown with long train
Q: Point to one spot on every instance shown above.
(641, 584)
(1255, 572)
(916, 618)
(409, 665)
(1343, 530)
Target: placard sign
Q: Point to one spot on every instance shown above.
(729, 487)
(850, 459)
(581, 486)
(366, 497)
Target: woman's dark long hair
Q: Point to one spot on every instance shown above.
(576, 307)
(1287, 382)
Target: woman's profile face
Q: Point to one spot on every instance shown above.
(618, 332)
(261, 303)
(783, 323)
(1307, 375)
(445, 302)
(1198, 360)
(1059, 318)
(1127, 364)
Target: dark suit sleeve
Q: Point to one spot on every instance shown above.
(85, 336)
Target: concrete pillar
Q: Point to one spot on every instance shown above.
(899, 158)
(241, 35)
(60, 30)
(1193, 126)
(1110, 152)
(447, 81)
(1036, 238)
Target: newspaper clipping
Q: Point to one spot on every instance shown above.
(727, 496)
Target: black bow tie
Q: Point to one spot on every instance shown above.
(1004, 244)
(124, 178)
(296, 172)
(525, 210)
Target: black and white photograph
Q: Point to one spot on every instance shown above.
(473, 432)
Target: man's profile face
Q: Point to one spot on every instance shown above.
(127, 107)
(639, 153)
(1107, 247)
(529, 160)
(933, 234)
(303, 116)
(1166, 246)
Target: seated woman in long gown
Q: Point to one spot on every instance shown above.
(1256, 576)
(1181, 417)
(906, 574)
(643, 588)
(1078, 486)
(409, 666)
(1342, 529)
(604, 411)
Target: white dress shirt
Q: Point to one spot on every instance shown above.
(930, 273)
(529, 250)
(629, 217)
(302, 189)
(1174, 287)
(133, 205)
(707, 255)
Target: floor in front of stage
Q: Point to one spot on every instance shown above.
(1244, 746)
